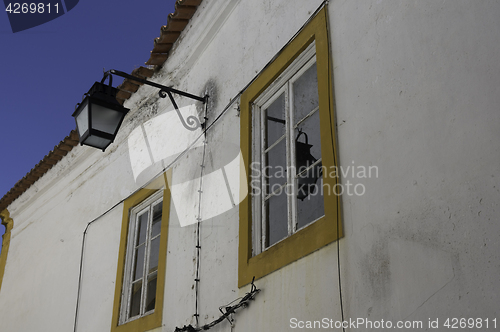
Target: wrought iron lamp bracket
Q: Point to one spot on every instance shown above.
(191, 123)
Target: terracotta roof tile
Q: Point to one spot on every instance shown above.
(60, 152)
(183, 12)
(129, 86)
(65, 147)
(188, 2)
(176, 22)
(157, 59)
(31, 177)
(161, 47)
(123, 94)
(167, 36)
(143, 72)
(52, 158)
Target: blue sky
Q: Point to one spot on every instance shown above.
(45, 70)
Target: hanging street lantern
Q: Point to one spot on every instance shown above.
(99, 116)
(307, 175)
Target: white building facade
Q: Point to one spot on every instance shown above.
(348, 164)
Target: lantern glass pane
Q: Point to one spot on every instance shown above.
(105, 119)
(97, 142)
(82, 120)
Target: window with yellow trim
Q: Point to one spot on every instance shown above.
(142, 259)
(287, 139)
(7, 221)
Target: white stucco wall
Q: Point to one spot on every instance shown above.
(417, 93)
(417, 89)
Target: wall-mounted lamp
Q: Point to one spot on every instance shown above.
(99, 116)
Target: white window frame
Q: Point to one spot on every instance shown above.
(283, 84)
(136, 211)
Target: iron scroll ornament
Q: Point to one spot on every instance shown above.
(193, 122)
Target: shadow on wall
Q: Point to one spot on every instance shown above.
(157, 143)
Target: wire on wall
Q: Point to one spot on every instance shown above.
(226, 311)
(198, 226)
(335, 156)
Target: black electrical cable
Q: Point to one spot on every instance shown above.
(81, 259)
(331, 88)
(198, 226)
(225, 315)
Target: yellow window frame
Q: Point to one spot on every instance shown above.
(326, 229)
(154, 320)
(9, 224)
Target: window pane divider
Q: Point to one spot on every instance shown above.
(275, 143)
(307, 116)
(292, 202)
(274, 193)
(146, 262)
(290, 153)
(308, 168)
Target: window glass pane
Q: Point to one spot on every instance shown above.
(277, 218)
(139, 262)
(305, 93)
(275, 171)
(308, 145)
(155, 251)
(151, 293)
(157, 213)
(311, 207)
(275, 120)
(142, 227)
(135, 299)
